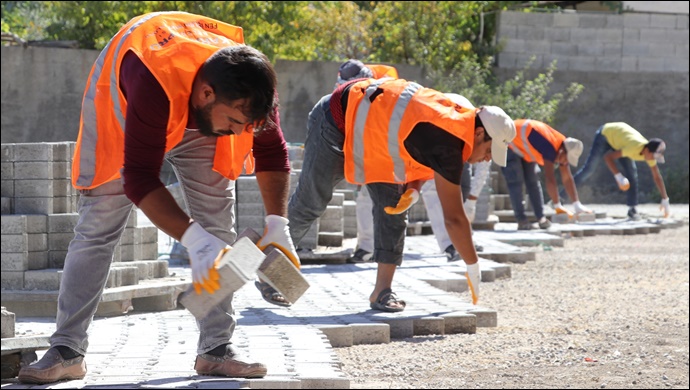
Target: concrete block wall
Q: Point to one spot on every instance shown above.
(39, 216)
(629, 42)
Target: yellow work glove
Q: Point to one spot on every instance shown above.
(204, 249)
(277, 233)
(622, 181)
(474, 277)
(558, 207)
(666, 207)
(406, 201)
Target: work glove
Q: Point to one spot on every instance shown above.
(410, 197)
(473, 278)
(558, 207)
(470, 208)
(277, 233)
(666, 207)
(581, 209)
(205, 250)
(622, 181)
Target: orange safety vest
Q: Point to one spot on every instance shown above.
(380, 71)
(522, 146)
(173, 46)
(375, 130)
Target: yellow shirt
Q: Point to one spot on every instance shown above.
(621, 136)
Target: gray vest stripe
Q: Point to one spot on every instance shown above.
(394, 128)
(360, 121)
(89, 136)
(523, 136)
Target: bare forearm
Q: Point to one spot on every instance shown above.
(551, 187)
(164, 212)
(275, 188)
(569, 183)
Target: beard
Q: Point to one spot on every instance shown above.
(202, 117)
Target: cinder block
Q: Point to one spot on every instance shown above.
(33, 170)
(13, 224)
(12, 280)
(33, 152)
(33, 205)
(236, 267)
(15, 261)
(331, 239)
(13, 243)
(44, 279)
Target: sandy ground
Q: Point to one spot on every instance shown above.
(601, 312)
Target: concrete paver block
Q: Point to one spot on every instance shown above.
(400, 328)
(486, 318)
(586, 217)
(459, 322)
(8, 320)
(370, 334)
(236, 267)
(429, 325)
(278, 271)
(338, 335)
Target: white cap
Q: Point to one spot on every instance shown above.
(501, 129)
(574, 149)
(459, 100)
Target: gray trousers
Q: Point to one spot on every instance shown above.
(103, 214)
(322, 170)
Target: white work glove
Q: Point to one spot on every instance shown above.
(470, 208)
(204, 248)
(666, 207)
(409, 198)
(277, 233)
(622, 181)
(580, 208)
(474, 277)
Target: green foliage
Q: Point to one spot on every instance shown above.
(520, 97)
(676, 183)
(24, 18)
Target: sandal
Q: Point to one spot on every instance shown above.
(270, 295)
(386, 300)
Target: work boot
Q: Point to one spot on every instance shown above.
(228, 365)
(544, 223)
(633, 214)
(53, 368)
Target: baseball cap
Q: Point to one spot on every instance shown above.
(459, 100)
(353, 69)
(658, 147)
(574, 148)
(501, 129)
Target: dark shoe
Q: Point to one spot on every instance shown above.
(228, 365)
(386, 302)
(271, 295)
(524, 225)
(544, 223)
(633, 215)
(360, 256)
(53, 368)
(451, 253)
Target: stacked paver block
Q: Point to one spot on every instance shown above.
(39, 217)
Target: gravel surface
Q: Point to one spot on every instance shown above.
(601, 312)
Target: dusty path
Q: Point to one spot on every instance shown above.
(601, 312)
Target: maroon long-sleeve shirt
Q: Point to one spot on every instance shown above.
(148, 110)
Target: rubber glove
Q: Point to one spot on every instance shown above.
(277, 233)
(580, 208)
(204, 249)
(470, 208)
(622, 181)
(666, 207)
(473, 278)
(410, 197)
(558, 207)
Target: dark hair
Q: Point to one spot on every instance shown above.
(655, 144)
(239, 72)
(478, 123)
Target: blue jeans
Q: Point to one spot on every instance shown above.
(322, 169)
(516, 172)
(600, 146)
(103, 215)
